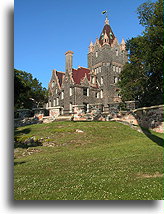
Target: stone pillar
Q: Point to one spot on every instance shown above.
(69, 61)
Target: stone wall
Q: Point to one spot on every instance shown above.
(150, 117)
(146, 117)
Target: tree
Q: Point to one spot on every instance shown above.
(28, 92)
(142, 76)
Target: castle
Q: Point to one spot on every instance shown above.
(92, 86)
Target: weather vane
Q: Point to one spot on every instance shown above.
(105, 12)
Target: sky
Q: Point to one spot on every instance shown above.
(45, 29)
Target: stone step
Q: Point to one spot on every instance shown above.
(63, 118)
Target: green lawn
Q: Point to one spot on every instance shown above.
(108, 161)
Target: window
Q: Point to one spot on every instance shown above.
(93, 80)
(53, 84)
(119, 70)
(116, 52)
(97, 94)
(70, 91)
(85, 91)
(99, 69)
(70, 107)
(57, 101)
(114, 68)
(88, 92)
(56, 91)
(54, 102)
(102, 80)
(96, 54)
(49, 103)
(87, 107)
(101, 94)
(115, 79)
(62, 95)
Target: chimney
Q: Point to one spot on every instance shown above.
(68, 63)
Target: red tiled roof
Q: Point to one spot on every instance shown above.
(60, 76)
(79, 74)
(108, 31)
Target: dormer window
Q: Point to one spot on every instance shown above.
(53, 84)
(93, 80)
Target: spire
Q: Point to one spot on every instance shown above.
(106, 21)
(123, 45)
(91, 47)
(123, 41)
(106, 32)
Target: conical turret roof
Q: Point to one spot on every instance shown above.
(108, 31)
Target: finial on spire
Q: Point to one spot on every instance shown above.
(106, 19)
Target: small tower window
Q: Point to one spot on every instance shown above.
(101, 93)
(70, 91)
(102, 80)
(96, 54)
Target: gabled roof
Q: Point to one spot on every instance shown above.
(79, 74)
(60, 75)
(107, 30)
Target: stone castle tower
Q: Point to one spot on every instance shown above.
(95, 85)
(105, 60)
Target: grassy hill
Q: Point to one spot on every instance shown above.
(88, 161)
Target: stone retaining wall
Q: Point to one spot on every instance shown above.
(146, 117)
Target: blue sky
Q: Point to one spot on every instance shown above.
(45, 29)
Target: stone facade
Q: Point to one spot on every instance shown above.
(96, 84)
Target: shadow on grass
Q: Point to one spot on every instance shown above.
(154, 138)
(23, 131)
(147, 132)
(18, 163)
